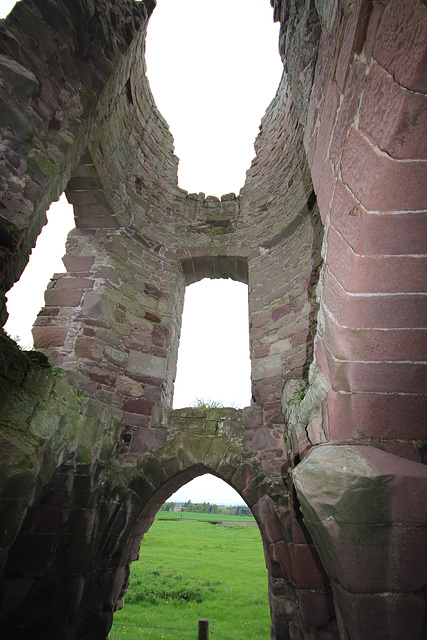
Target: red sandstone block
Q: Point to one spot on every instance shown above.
(270, 531)
(347, 109)
(260, 439)
(346, 50)
(280, 561)
(280, 312)
(144, 440)
(103, 376)
(377, 234)
(395, 119)
(364, 615)
(382, 377)
(307, 568)
(374, 344)
(50, 336)
(273, 412)
(371, 34)
(405, 450)
(136, 419)
(77, 264)
(401, 46)
(264, 509)
(385, 311)
(345, 214)
(153, 393)
(378, 181)
(63, 297)
(159, 336)
(116, 247)
(88, 348)
(67, 283)
(316, 608)
(261, 351)
(300, 533)
(327, 120)
(256, 334)
(325, 189)
(373, 415)
(141, 406)
(379, 274)
(269, 389)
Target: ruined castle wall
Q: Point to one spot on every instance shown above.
(55, 63)
(112, 321)
(364, 141)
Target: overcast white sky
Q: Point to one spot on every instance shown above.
(213, 67)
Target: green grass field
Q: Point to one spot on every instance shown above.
(211, 517)
(191, 570)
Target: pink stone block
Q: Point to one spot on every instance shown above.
(379, 274)
(67, 283)
(58, 297)
(378, 181)
(394, 118)
(382, 377)
(260, 439)
(327, 120)
(307, 568)
(88, 348)
(316, 608)
(374, 344)
(374, 415)
(280, 312)
(377, 234)
(346, 49)
(406, 450)
(103, 376)
(77, 264)
(280, 560)
(401, 46)
(348, 109)
(364, 615)
(50, 336)
(325, 189)
(138, 405)
(371, 34)
(144, 440)
(385, 311)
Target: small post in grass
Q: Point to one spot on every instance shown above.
(203, 629)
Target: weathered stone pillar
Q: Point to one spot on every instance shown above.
(366, 510)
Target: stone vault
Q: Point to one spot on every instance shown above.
(328, 232)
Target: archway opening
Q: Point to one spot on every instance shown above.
(197, 561)
(26, 297)
(213, 67)
(213, 358)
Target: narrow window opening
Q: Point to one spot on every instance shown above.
(26, 297)
(213, 357)
(215, 87)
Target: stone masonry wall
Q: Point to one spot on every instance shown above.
(55, 61)
(338, 363)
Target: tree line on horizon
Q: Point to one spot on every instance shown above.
(206, 507)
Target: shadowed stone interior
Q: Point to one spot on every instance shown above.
(327, 231)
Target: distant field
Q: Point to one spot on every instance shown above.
(191, 570)
(212, 517)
